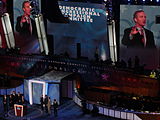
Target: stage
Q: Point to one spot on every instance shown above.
(68, 110)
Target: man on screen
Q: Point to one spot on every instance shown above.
(138, 36)
(26, 35)
(25, 25)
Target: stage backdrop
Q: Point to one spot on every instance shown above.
(148, 57)
(86, 30)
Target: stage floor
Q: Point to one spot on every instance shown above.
(67, 111)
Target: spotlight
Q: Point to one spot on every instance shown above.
(35, 7)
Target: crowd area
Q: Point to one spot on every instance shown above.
(135, 103)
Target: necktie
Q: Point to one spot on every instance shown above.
(142, 34)
(30, 24)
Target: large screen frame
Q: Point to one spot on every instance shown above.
(148, 57)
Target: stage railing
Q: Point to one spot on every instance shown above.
(111, 112)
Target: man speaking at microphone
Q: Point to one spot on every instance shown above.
(138, 36)
(25, 25)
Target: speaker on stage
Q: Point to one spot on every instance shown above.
(78, 50)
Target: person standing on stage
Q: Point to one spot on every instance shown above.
(19, 98)
(5, 103)
(10, 101)
(14, 97)
(55, 107)
(46, 103)
(23, 100)
(42, 102)
(49, 105)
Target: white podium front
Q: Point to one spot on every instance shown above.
(20, 110)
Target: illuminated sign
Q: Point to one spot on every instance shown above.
(83, 14)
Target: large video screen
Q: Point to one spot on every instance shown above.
(26, 38)
(84, 33)
(132, 43)
(86, 28)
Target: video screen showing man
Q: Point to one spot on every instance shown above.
(138, 36)
(26, 25)
(26, 32)
(132, 42)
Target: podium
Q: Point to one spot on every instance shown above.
(20, 110)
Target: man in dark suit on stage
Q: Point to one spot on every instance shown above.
(138, 36)
(25, 25)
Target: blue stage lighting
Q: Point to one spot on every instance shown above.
(157, 0)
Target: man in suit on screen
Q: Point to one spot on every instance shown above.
(25, 24)
(138, 36)
(26, 35)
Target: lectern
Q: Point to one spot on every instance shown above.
(20, 110)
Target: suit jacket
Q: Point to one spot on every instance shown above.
(24, 29)
(136, 42)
